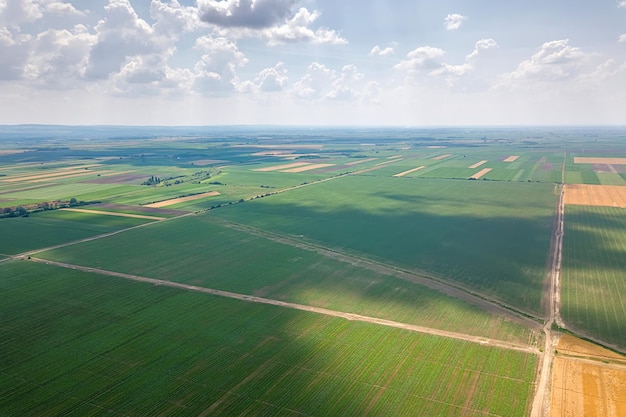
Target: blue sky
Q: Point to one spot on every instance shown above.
(313, 62)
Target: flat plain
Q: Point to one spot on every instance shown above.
(297, 271)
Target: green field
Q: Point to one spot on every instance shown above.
(200, 251)
(492, 236)
(594, 285)
(77, 344)
(50, 228)
(350, 237)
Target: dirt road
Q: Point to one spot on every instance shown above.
(349, 316)
(541, 402)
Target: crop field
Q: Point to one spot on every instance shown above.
(305, 271)
(594, 285)
(199, 251)
(51, 228)
(491, 236)
(76, 344)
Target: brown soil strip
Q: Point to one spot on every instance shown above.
(285, 146)
(4, 152)
(402, 174)
(586, 388)
(281, 167)
(477, 164)
(511, 158)
(333, 313)
(595, 195)
(33, 187)
(114, 213)
(608, 161)
(173, 201)
(70, 174)
(112, 174)
(307, 167)
(140, 209)
(480, 173)
(436, 147)
(440, 157)
(394, 157)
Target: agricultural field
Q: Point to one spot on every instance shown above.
(594, 285)
(296, 271)
(74, 343)
(491, 236)
(201, 251)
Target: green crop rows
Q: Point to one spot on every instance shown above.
(594, 285)
(79, 344)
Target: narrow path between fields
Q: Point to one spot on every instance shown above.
(334, 313)
(541, 402)
(421, 278)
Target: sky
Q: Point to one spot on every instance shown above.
(313, 62)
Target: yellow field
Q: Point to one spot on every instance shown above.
(511, 158)
(307, 167)
(113, 213)
(281, 167)
(477, 164)
(595, 195)
(173, 201)
(440, 157)
(587, 381)
(480, 173)
(608, 161)
(361, 161)
(402, 174)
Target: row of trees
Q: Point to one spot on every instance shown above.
(24, 211)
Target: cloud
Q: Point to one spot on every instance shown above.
(255, 14)
(323, 83)
(60, 57)
(622, 38)
(272, 79)
(554, 61)
(378, 51)
(172, 19)
(454, 21)
(424, 58)
(63, 9)
(121, 34)
(621, 3)
(215, 73)
(14, 49)
(14, 13)
(297, 29)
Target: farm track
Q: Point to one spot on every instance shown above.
(421, 278)
(334, 313)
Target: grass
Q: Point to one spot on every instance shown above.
(200, 251)
(593, 284)
(78, 344)
(492, 236)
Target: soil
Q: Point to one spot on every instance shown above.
(609, 161)
(511, 158)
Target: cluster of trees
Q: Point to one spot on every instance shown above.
(24, 211)
(153, 180)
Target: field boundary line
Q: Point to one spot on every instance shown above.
(303, 307)
(422, 278)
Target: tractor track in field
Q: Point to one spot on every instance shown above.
(425, 279)
(333, 313)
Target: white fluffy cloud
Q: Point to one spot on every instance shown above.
(622, 38)
(215, 73)
(255, 14)
(554, 61)
(454, 21)
(378, 51)
(297, 29)
(13, 13)
(60, 57)
(424, 58)
(621, 3)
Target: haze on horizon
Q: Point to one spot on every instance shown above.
(312, 62)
